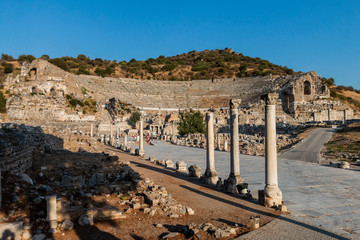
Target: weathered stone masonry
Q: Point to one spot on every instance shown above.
(19, 144)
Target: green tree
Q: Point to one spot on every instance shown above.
(61, 63)
(6, 57)
(135, 117)
(109, 70)
(100, 72)
(45, 57)
(27, 58)
(82, 70)
(8, 68)
(191, 122)
(81, 57)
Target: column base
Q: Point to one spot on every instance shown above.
(231, 183)
(141, 153)
(272, 196)
(210, 177)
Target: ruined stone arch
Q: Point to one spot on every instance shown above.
(52, 92)
(32, 73)
(307, 88)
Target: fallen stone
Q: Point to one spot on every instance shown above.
(219, 233)
(190, 211)
(11, 230)
(67, 225)
(344, 165)
(86, 219)
(40, 236)
(195, 171)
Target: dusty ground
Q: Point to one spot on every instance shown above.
(209, 205)
(343, 146)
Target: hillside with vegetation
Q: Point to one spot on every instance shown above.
(193, 65)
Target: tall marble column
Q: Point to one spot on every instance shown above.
(91, 130)
(141, 137)
(234, 177)
(210, 175)
(272, 193)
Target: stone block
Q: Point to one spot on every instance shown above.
(181, 166)
(11, 230)
(195, 171)
(169, 163)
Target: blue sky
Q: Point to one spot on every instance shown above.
(322, 35)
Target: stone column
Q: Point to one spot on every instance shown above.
(234, 177)
(329, 114)
(173, 137)
(210, 175)
(51, 211)
(141, 137)
(91, 130)
(225, 145)
(125, 139)
(272, 193)
(218, 142)
(344, 116)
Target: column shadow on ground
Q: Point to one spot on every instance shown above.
(181, 176)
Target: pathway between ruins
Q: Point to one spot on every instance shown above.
(319, 195)
(309, 150)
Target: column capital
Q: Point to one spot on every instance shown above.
(235, 103)
(270, 98)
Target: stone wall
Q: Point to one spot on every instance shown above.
(20, 144)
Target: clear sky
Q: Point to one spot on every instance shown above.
(320, 35)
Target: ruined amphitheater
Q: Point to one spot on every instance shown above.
(39, 94)
(57, 148)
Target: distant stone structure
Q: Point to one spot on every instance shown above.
(39, 94)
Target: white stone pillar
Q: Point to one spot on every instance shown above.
(91, 130)
(218, 142)
(141, 137)
(51, 211)
(234, 177)
(173, 137)
(225, 145)
(210, 175)
(272, 193)
(125, 139)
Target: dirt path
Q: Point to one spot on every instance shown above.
(210, 205)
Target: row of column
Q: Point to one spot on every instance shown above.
(272, 195)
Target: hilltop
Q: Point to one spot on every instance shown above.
(193, 65)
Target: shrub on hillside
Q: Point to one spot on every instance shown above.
(61, 63)
(28, 58)
(6, 57)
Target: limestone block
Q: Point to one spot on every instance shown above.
(181, 166)
(169, 163)
(195, 171)
(11, 230)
